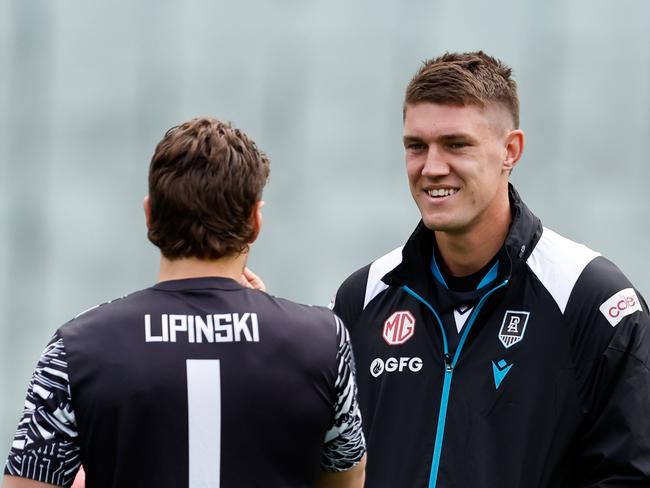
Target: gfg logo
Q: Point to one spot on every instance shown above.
(390, 365)
(620, 305)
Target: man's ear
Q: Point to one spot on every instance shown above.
(146, 204)
(514, 148)
(256, 218)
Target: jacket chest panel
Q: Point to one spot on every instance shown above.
(398, 345)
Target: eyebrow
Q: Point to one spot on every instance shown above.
(443, 138)
(456, 137)
(407, 139)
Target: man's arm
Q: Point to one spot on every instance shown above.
(344, 459)
(17, 482)
(611, 337)
(45, 448)
(615, 443)
(352, 478)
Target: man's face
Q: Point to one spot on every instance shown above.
(458, 159)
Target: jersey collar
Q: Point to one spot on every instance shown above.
(209, 282)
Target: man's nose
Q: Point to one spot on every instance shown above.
(436, 164)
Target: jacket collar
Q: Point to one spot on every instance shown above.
(525, 230)
(414, 270)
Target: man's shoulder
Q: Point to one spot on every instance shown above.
(366, 282)
(307, 327)
(583, 283)
(559, 262)
(109, 309)
(362, 286)
(296, 311)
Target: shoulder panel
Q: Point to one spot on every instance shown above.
(378, 269)
(558, 263)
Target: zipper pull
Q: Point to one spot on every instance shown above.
(447, 359)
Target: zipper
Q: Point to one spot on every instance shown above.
(447, 359)
(450, 364)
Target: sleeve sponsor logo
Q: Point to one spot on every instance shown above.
(399, 328)
(620, 305)
(513, 327)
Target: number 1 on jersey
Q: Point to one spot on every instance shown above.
(204, 422)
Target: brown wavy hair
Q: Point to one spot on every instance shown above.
(462, 79)
(205, 178)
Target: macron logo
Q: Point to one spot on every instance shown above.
(620, 305)
(500, 370)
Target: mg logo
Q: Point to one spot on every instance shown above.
(399, 328)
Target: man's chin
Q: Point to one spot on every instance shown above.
(439, 225)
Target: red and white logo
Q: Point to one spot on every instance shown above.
(399, 328)
(620, 305)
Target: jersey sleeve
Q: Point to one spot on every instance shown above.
(345, 444)
(45, 446)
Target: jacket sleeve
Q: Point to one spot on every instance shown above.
(612, 366)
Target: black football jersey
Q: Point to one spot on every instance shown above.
(192, 383)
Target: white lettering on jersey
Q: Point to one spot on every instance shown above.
(177, 323)
(620, 305)
(223, 327)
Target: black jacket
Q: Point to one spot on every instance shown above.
(546, 384)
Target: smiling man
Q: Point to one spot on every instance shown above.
(491, 351)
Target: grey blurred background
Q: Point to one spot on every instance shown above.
(88, 88)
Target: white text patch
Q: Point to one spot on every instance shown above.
(620, 305)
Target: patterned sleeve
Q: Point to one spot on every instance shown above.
(45, 447)
(344, 442)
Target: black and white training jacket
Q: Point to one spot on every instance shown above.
(539, 378)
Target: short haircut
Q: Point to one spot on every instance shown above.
(462, 79)
(205, 178)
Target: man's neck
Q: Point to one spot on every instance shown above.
(466, 253)
(182, 268)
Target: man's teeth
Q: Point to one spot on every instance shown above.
(443, 192)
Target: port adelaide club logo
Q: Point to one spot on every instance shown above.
(513, 327)
(398, 328)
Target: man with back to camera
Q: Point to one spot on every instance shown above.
(492, 352)
(197, 381)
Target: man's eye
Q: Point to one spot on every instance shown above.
(457, 145)
(414, 146)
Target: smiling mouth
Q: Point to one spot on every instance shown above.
(442, 192)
